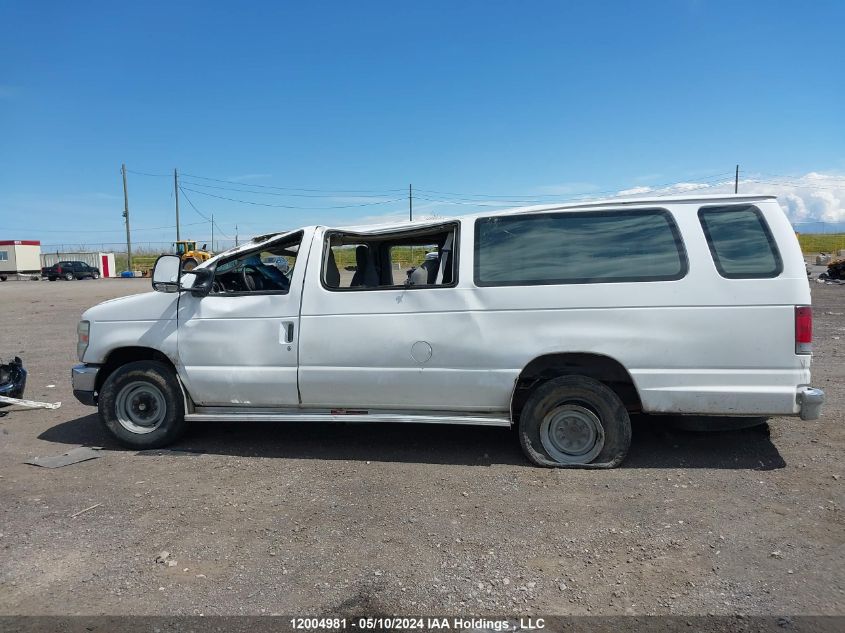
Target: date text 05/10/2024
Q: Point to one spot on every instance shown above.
(415, 623)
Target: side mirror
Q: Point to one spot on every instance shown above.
(203, 279)
(166, 273)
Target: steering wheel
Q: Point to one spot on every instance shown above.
(252, 278)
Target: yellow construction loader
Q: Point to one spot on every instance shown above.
(191, 256)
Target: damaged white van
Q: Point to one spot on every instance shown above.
(558, 320)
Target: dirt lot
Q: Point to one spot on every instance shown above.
(321, 519)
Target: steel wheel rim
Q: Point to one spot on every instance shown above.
(140, 407)
(572, 434)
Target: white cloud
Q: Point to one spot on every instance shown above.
(634, 191)
(813, 197)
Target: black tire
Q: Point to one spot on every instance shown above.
(143, 378)
(2, 277)
(189, 264)
(713, 424)
(69, 276)
(95, 275)
(587, 399)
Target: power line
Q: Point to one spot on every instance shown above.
(134, 229)
(539, 196)
(144, 173)
(337, 191)
(267, 193)
(213, 222)
(193, 206)
(288, 206)
(801, 178)
(796, 185)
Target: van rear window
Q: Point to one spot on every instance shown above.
(740, 242)
(578, 247)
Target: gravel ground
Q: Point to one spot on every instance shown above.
(272, 518)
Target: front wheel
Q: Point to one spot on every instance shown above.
(141, 404)
(575, 422)
(189, 264)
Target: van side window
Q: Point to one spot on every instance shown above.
(409, 258)
(265, 271)
(740, 242)
(578, 247)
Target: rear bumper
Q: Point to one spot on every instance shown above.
(84, 380)
(810, 401)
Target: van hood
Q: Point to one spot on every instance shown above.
(148, 306)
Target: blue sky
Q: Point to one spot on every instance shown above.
(505, 99)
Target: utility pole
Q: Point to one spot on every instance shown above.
(176, 191)
(736, 180)
(212, 233)
(411, 203)
(126, 217)
(236, 235)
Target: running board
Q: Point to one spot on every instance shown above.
(256, 414)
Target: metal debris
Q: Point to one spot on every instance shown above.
(73, 456)
(76, 514)
(30, 404)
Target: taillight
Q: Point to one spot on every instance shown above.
(803, 330)
(59, 269)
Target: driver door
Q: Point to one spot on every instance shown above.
(239, 345)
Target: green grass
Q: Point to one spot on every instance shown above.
(141, 260)
(405, 256)
(821, 242)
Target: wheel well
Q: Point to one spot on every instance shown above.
(124, 355)
(597, 366)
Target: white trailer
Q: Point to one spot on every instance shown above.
(19, 258)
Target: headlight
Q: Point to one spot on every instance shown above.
(82, 332)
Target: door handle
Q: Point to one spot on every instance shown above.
(286, 332)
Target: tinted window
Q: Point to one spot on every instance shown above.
(576, 247)
(740, 242)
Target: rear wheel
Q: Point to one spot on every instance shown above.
(52, 278)
(95, 275)
(68, 276)
(141, 404)
(189, 264)
(574, 422)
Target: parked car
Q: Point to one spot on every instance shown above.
(70, 270)
(560, 320)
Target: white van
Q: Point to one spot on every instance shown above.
(560, 320)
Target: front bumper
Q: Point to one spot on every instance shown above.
(84, 380)
(810, 401)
